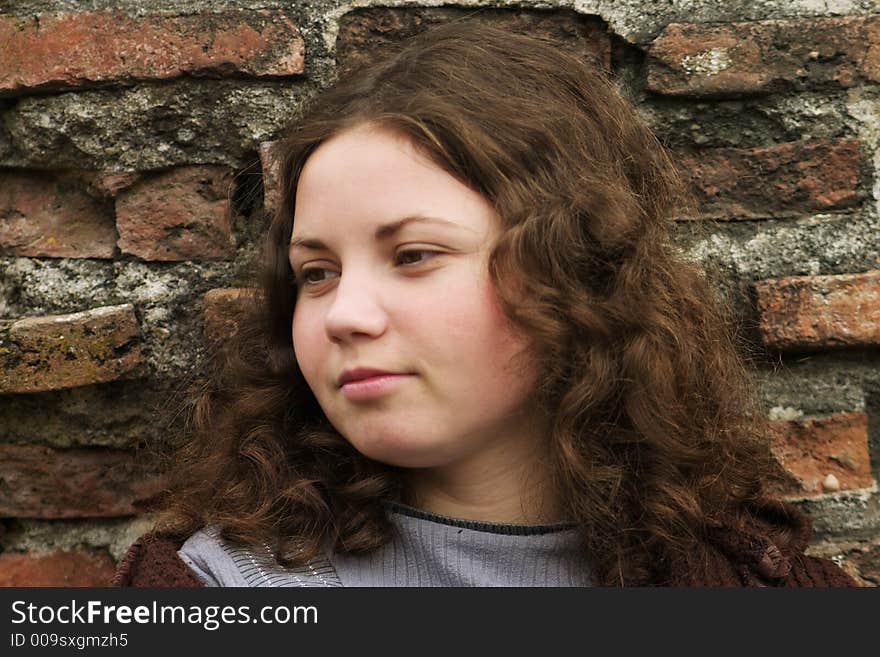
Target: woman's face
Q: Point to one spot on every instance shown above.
(416, 300)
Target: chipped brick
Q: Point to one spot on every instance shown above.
(809, 449)
(54, 215)
(181, 214)
(56, 51)
(784, 180)
(698, 60)
(62, 567)
(367, 34)
(819, 312)
(63, 351)
(224, 309)
(41, 482)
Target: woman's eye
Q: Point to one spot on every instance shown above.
(305, 273)
(416, 251)
(403, 257)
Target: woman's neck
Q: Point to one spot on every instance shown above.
(487, 489)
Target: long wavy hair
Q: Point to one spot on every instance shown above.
(656, 430)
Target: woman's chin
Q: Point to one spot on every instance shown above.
(402, 454)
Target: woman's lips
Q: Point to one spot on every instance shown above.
(373, 386)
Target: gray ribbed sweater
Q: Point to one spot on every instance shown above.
(427, 550)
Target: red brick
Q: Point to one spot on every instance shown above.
(271, 166)
(54, 216)
(63, 351)
(784, 180)
(181, 214)
(224, 308)
(41, 482)
(109, 183)
(690, 59)
(73, 567)
(54, 51)
(367, 34)
(810, 449)
(819, 312)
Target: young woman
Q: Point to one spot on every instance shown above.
(478, 356)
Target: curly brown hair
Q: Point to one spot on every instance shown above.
(657, 431)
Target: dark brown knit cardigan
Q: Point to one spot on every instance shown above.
(733, 557)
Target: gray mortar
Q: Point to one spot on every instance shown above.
(741, 252)
(637, 20)
(747, 123)
(820, 385)
(150, 126)
(166, 296)
(113, 534)
(641, 22)
(847, 512)
(863, 106)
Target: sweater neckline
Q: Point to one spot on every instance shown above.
(479, 525)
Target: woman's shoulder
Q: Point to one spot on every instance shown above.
(166, 559)
(767, 549)
(153, 561)
(216, 562)
(203, 558)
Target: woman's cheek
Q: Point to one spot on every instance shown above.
(461, 310)
(306, 347)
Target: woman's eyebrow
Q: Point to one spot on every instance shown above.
(382, 232)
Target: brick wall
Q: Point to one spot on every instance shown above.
(136, 158)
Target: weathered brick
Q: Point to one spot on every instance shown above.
(119, 414)
(63, 351)
(50, 215)
(691, 59)
(784, 180)
(224, 308)
(61, 567)
(54, 51)
(366, 34)
(810, 449)
(109, 183)
(819, 312)
(180, 214)
(271, 166)
(41, 482)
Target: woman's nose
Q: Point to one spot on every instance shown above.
(356, 308)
